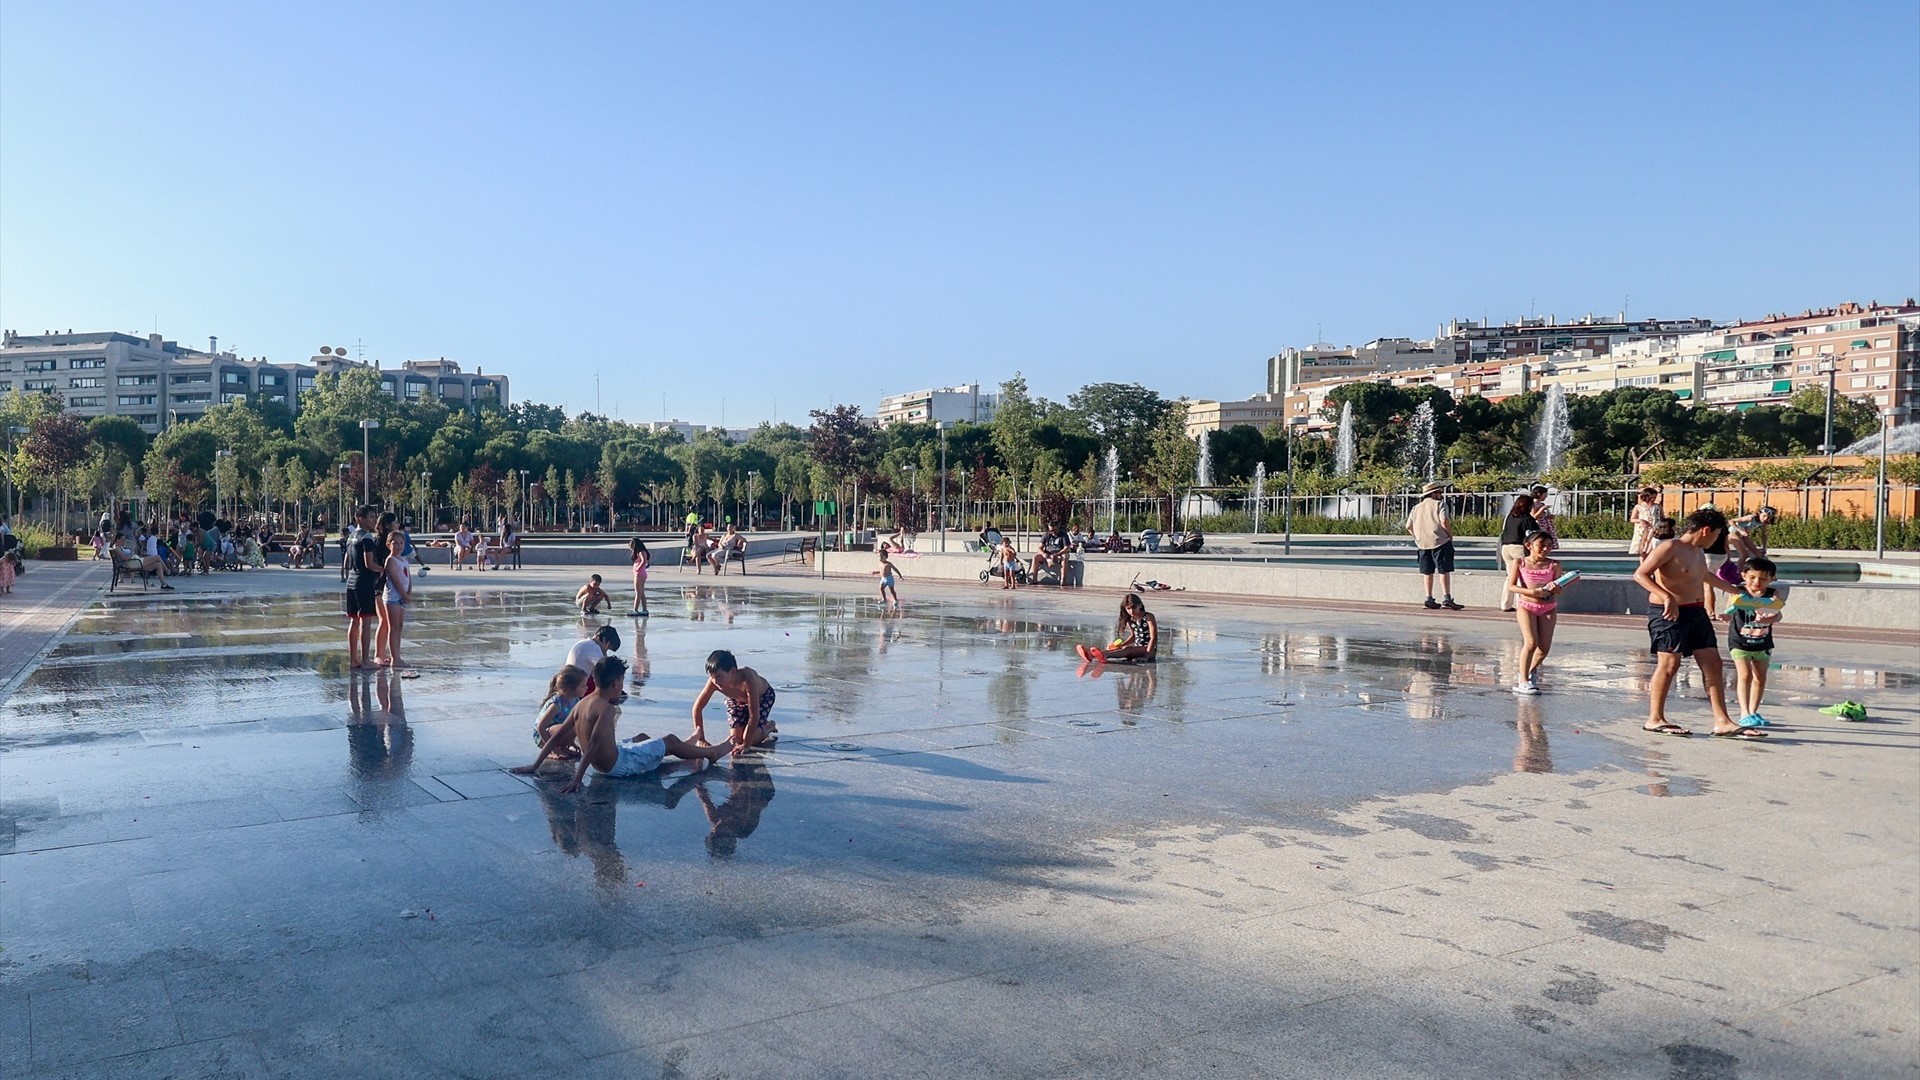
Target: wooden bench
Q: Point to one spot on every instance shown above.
(126, 569)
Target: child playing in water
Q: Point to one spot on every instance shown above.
(1530, 580)
(591, 728)
(1009, 564)
(887, 573)
(749, 701)
(591, 596)
(1750, 639)
(642, 561)
(1136, 636)
(564, 691)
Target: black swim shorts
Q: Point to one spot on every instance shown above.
(1691, 632)
(362, 602)
(1437, 560)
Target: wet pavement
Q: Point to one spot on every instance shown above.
(1303, 844)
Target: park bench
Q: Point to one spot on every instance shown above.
(802, 550)
(127, 569)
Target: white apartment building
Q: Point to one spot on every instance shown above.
(156, 382)
(1321, 362)
(940, 405)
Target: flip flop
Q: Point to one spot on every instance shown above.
(1741, 733)
(1672, 729)
(1082, 650)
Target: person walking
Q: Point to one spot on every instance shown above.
(1432, 533)
(1514, 530)
(1647, 516)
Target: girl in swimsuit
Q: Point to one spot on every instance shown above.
(1136, 636)
(564, 691)
(637, 550)
(1530, 581)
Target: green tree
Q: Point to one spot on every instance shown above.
(1016, 427)
(1120, 415)
(1172, 456)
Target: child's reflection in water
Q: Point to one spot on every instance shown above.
(379, 742)
(584, 824)
(1530, 751)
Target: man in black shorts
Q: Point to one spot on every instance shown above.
(366, 568)
(1676, 578)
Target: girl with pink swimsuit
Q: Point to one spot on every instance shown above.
(1530, 580)
(637, 549)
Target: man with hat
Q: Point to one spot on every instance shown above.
(1432, 533)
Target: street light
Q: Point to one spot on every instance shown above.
(366, 460)
(753, 495)
(942, 427)
(1831, 369)
(1880, 491)
(342, 487)
(426, 497)
(1287, 510)
(218, 497)
(913, 488)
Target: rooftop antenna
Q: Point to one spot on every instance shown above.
(1623, 306)
(596, 394)
(360, 349)
(663, 407)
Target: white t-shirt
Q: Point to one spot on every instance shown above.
(585, 653)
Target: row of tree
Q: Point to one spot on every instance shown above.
(533, 462)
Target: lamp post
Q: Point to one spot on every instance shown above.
(753, 495)
(1287, 510)
(342, 486)
(219, 489)
(913, 489)
(1880, 496)
(426, 497)
(942, 427)
(367, 428)
(12, 434)
(1831, 369)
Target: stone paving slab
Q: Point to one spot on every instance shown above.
(1296, 847)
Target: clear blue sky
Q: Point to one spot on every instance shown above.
(785, 205)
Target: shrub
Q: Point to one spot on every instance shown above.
(34, 538)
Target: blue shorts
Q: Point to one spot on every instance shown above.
(637, 758)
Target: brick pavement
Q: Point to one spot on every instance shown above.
(44, 601)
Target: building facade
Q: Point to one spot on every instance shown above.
(155, 382)
(948, 404)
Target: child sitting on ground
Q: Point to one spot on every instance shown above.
(1136, 636)
(591, 596)
(749, 701)
(592, 729)
(1750, 637)
(564, 691)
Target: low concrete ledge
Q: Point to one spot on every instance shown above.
(1894, 608)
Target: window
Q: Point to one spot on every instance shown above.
(303, 383)
(1883, 343)
(138, 399)
(41, 365)
(233, 378)
(1881, 382)
(146, 419)
(6, 365)
(230, 397)
(6, 384)
(200, 398)
(94, 402)
(193, 378)
(88, 362)
(93, 383)
(1806, 350)
(1882, 361)
(268, 378)
(415, 389)
(1858, 381)
(139, 380)
(37, 384)
(1804, 369)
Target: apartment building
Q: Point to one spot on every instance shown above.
(156, 382)
(1470, 340)
(939, 405)
(1322, 362)
(1261, 410)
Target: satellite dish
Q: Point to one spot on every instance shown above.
(326, 350)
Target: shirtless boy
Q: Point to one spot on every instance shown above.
(591, 727)
(592, 596)
(1675, 576)
(749, 699)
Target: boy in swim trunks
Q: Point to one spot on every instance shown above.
(591, 727)
(1675, 576)
(749, 701)
(1750, 638)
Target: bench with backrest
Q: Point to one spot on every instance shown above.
(125, 569)
(803, 549)
(736, 552)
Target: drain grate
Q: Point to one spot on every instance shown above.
(844, 747)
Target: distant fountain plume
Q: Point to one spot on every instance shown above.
(1203, 468)
(1110, 485)
(1422, 458)
(1259, 491)
(1554, 438)
(1343, 443)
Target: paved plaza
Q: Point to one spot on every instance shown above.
(1309, 842)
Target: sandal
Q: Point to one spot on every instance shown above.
(1669, 728)
(1741, 733)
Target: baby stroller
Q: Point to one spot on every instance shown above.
(994, 569)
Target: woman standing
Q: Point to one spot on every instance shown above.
(1513, 537)
(1646, 517)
